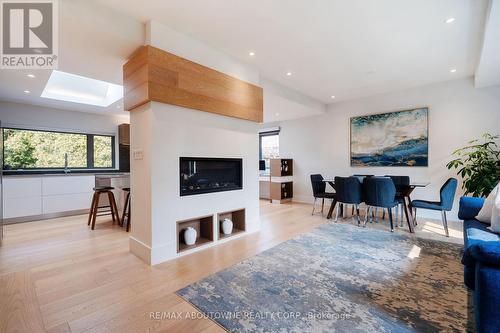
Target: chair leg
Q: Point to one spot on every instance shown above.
(414, 215)
(396, 214)
(357, 215)
(367, 215)
(125, 208)
(111, 207)
(322, 205)
(383, 214)
(314, 206)
(402, 217)
(115, 208)
(337, 211)
(445, 223)
(94, 210)
(129, 220)
(91, 208)
(390, 219)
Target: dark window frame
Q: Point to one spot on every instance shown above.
(90, 150)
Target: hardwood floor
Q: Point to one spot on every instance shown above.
(59, 276)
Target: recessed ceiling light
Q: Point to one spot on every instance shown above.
(333, 97)
(79, 89)
(289, 74)
(251, 53)
(31, 76)
(276, 114)
(27, 91)
(450, 20)
(453, 70)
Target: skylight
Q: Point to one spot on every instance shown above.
(79, 89)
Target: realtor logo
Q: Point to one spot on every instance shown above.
(29, 34)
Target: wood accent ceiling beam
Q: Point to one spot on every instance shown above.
(152, 74)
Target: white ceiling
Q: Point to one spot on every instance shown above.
(350, 49)
(488, 69)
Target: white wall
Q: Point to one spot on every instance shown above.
(165, 133)
(458, 112)
(166, 38)
(38, 117)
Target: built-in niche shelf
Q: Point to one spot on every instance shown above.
(204, 229)
(238, 218)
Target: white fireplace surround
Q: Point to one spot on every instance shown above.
(162, 133)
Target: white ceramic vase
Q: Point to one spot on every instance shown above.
(227, 227)
(190, 236)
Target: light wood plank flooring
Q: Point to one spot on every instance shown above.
(59, 276)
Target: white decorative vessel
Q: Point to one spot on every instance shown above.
(227, 226)
(190, 236)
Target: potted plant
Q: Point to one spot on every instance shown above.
(479, 165)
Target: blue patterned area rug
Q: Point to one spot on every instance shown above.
(340, 278)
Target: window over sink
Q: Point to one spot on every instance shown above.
(31, 149)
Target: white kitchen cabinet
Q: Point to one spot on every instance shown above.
(22, 206)
(18, 187)
(66, 193)
(69, 184)
(22, 196)
(67, 202)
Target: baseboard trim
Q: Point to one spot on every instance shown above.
(140, 249)
(32, 218)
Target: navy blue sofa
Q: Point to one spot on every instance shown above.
(481, 261)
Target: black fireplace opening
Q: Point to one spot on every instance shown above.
(205, 175)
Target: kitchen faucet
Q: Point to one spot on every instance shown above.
(66, 170)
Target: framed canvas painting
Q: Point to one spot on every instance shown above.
(391, 139)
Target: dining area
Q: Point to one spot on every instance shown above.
(373, 198)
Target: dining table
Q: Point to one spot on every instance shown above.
(402, 191)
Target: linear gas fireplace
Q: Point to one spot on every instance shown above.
(205, 175)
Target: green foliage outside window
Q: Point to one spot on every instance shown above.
(102, 152)
(26, 149)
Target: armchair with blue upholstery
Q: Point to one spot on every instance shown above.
(446, 196)
(481, 260)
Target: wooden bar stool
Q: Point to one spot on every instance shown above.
(96, 210)
(126, 208)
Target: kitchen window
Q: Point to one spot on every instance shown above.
(28, 149)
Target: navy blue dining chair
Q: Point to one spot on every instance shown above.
(398, 182)
(445, 203)
(348, 191)
(319, 191)
(380, 192)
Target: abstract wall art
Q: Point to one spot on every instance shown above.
(390, 139)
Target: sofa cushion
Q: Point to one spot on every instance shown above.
(475, 232)
(484, 215)
(469, 207)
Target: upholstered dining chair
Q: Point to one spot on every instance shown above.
(319, 191)
(445, 203)
(380, 192)
(348, 191)
(399, 181)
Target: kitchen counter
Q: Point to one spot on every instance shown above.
(52, 173)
